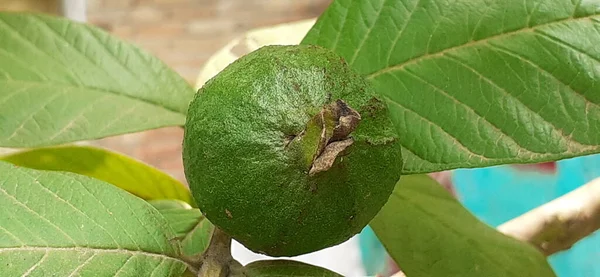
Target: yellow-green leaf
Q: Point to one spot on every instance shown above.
(131, 175)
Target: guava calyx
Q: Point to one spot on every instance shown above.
(327, 135)
(325, 160)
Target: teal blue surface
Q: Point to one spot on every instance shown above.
(372, 252)
(498, 194)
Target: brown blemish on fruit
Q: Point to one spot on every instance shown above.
(325, 137)
(302, 216)
(373, 107)
(228, 213)
(332, 145)
(347, 122)
(326, 133)
(313, 188)
(287, 140)
(325, 161)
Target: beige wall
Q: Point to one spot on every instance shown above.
(46, 6)
(185, 33)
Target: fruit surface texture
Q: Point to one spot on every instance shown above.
(289, 151)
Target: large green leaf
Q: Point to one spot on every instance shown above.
(138, 178)
(284, 268)
(429, 233)
(63, 224)
(477, 83)
(62, 81)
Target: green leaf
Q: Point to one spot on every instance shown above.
(429, 233)
(190, 225)
(195, 242)
(180, 215)
(284, 268)
(63, 224)
(131, 175)
(62, 81)
(477, 83)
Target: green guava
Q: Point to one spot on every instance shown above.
(289, 151)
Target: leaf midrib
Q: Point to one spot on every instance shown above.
(417, 59)
(97, 250)
(75, 87)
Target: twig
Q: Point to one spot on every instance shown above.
(559, 224)
(217, 260)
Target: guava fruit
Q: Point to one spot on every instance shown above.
(289, 151)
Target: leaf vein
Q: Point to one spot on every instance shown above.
(82, 265)
(442, 52)
(38, 263)
(342, 23)
(521, 103)
(33, 46)
(366, 36)
(137, 245)
(470, 109)
(123, 266)
(33, 114)
(18, 202)
(142, 223)
(433, 124)
(397, 38)
(79, 115)
(58, 197)
(97, 251)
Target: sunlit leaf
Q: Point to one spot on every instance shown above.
(62, 81)
(124, 172)
(477, 83)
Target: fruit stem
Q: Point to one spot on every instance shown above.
(217, 260)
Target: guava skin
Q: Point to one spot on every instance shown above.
(253, 182)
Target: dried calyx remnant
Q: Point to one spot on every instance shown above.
(326, 135)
